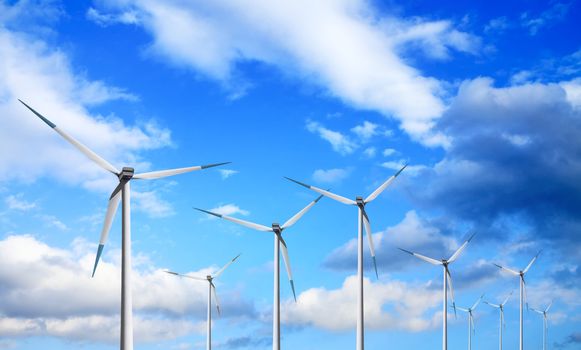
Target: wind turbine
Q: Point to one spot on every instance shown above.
(363, 220)
(471, 328)
(445, 263)
(211, 290)
(501, 308)
(279, 244)
(122, 191)
(523, 293)
(545, 323)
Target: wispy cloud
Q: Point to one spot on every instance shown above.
(330, 175)
(16, 202)
(555, 13)
(226, 173)
(341, 143)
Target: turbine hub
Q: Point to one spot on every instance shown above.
(276, 227)
(126, 173)
(360, 202)
(209, 277)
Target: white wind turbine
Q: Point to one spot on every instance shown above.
(122, 191)
(363, 221)
(211, 290)
(471, 328)
(447, 284)
(545, 323)
(279, 244)
(523, 293)
(501, 308)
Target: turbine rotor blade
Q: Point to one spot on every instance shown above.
(531, 263)
(422, 257)
(524, 288)
(383, 186)
(239, 221)
(491, 304)
(325, 193)
(367, 226)
(216, 300)
(462, 309)
(477, 302)
(505, 300)
(109, 215)
(186, 276)
(472, 323)
(548, 307)
(451, 288)
(460, 249)
(170, 172)
(298, 215)
(507, 269)
(537, 311)
(219, 272)
(286, 260)
(84, 149)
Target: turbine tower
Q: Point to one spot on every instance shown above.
(123, 192)
(363, 221)
(211, 290)
(445, 263)
(545, 323)
(279, 245)
(502, 323)
(523, 293)
(471, 328)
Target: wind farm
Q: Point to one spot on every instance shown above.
(334, 175)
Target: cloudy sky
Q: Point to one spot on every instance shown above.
(483, 100)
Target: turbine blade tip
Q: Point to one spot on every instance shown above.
(99, 252)
(292, 283)
(208, 212)
(298, 182)
(213, 165)
(48, 122)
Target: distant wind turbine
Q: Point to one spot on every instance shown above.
(445, 263)
(211, 290)
(122, 191)
(471, 328)
(502, 324)
(545, 323)
(279, 244)
(363, 221)
(523, 294)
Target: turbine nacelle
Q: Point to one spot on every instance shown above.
(360, 202)
(276, 228)
(126, 174)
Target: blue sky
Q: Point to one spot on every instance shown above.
(483, 100)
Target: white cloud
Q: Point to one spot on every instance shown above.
(229, 209)
(340, 143)
(150, 203)
(226, 173)
(128, 17)
(45, 79)
(15, 202)
(388, 152)
(53, 221)
(330, 175)
(555, 13)
(366, 130)
(370, 152)
(410, 169)
(364, 69)
(573, 92)
(86, 309)
(411, 306)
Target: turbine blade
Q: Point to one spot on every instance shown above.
(507, 269)
(170, 172)
(505, 300)
(239, 221)
(110, 214)
(462, 309)
(450, 286)
(84, 149)
(477, 302)
(524, 288)
(216, 300)
(548, 307)
(286, 259)
(367, 226)
(225, 266)
(460, 249)
(531, 263)
(537, 311)
(383, 186)
(325, 193)
(186, 276)
(472, 323)
(422, 257)
(491, 304)
(298, 215)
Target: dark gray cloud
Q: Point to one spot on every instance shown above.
(246, 342)
(515, 157)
